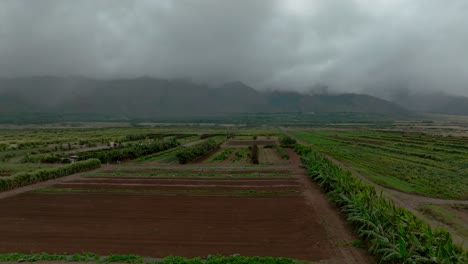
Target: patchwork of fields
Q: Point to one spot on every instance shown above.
(152, 206)
(242, 193)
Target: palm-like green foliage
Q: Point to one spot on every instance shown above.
(393, 234)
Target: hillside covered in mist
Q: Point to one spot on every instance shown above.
(149, 97)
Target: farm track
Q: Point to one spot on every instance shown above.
(302, 225)
(409, 201)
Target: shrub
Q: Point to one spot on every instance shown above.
(287, 141)
(25, 178)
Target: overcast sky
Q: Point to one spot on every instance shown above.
(361, 45)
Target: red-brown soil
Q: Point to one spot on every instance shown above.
(155, 225)
(302, 225)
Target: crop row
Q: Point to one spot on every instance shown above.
(223, 155)
(136, 259)
(393, 234)
(198, 150)
(25, 178)
(130, 152)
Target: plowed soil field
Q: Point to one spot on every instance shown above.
(138, 212)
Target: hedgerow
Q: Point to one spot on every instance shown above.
(25, 178)
(193, 152)
(254, 154)
(129, 152)
(394, 234)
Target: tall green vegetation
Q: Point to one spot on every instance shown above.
(393, 234)
(130, 152)
(196, 151)
(25, 178)
(284, 155)
(287, 141)
(254, 154)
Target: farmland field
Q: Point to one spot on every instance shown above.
(152, 206)
(428, 165)
(195, 192)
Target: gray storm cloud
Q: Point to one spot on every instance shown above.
(380, 47)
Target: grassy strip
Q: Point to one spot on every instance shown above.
(136, 259)
(251, 192)
(445, 216)
(394, 234)
(25, 178)
(188, 175)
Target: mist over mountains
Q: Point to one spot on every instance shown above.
(150, 97)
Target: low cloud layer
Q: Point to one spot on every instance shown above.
(381, 47)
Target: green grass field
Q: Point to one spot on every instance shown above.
(429, 165)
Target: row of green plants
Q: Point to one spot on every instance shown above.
(196, 151)
(129, 152)
(254, 154)
(25, 178)
(392, 233)
(282, 152)
(136, 259)
(224, 154)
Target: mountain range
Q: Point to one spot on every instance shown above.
(159, 98)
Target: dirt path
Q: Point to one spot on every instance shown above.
(409, 201)
(339, 234)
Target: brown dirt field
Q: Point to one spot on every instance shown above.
(191, 181)
(154, 225)
(249, 142)
(171, 187)
(302, 225)
(212, 171)
(269, 156)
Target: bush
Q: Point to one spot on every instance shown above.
(25, 178)
(287, 141)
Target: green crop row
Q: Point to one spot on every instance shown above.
(136, 259)
(130, 152)
(254, 154)
(282, 152)
(25, 178)
(223, 155)
(193, 152)
(393, 234)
